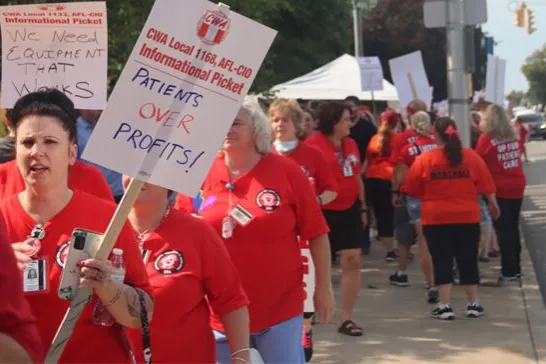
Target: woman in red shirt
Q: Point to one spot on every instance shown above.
(522, 132)
(40, 221)
(261, 204)
(289, 128)
(196, 264)
(501, 150)
(407, 214)
(346, 215)
(379, 179)
(448, 180)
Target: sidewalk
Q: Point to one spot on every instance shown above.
(398, 329)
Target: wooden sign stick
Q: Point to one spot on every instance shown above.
(84, 294)
(412, 86)
(496, 80)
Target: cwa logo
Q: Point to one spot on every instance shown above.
(213, 27)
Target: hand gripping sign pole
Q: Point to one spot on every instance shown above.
(112, 232)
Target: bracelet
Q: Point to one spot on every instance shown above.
(396, 192)
(363, 210)
(239, 351)
(241, 359)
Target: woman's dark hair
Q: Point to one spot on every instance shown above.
(329, 115)
(453, 148)
(8, 118)
(49, 102)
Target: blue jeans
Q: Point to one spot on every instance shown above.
(414, 209)
(279, 343)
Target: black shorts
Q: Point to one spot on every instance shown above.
(379, 192)
(404, 231)
(346, 231)
(459, 241)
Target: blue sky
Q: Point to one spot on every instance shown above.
(514, 43)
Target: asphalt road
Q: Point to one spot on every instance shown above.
(534, 210)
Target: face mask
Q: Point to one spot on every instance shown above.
(285, 147)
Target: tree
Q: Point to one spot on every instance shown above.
(516, 97)
(394, 28)
(534, 70)
(309, 34)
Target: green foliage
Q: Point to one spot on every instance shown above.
(534, 70)
(310, 34)
(394, 28)
(517, 97)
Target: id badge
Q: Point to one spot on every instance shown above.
(347, 170)
(240, 215)
(35, 279)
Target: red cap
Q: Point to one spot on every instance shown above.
(391, 118)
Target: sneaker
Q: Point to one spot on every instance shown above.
(391, 256)
(508, 278)
(474, 310)
(399, 280)
(493, 254)
(432, 295)
(445, 313)
(307, 342)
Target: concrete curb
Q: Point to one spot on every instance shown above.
(534, 306)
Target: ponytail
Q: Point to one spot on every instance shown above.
(384, 137)
(453, 148)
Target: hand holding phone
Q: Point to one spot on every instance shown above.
(83, 245)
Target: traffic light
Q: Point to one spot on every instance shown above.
(531, 22)
(519, 15)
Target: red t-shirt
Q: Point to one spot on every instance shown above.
(89, 342)
(338, 160)
(504, 162)
(410, 152)
(266, 251)
(449, 195)
(187, 270)
(409, 136)
(522, 132)
(16, 320)
(82, 176)
(380, 166)
(312, 162)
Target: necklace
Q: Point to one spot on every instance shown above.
(142, 236)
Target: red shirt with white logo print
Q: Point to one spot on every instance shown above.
(345, 164)
(312, 162)
(188, 271)
(409, 136)
(410, 152)
(89, 343)
(82, 176)
(280, 206)
(504, 162)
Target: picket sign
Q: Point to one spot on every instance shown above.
(220, 100)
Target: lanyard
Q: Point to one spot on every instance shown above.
(228, 223)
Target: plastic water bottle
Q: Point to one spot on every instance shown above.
(101, 315)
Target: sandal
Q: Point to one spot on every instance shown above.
(349, 328)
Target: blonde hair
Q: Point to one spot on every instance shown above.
(294, 112)
(420, 122)
(262, 130)
(496, 123)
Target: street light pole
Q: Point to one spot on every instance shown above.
(457, 86)
(359, 46)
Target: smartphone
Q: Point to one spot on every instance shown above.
(84, 244)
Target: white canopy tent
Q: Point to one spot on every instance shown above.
(333, 81)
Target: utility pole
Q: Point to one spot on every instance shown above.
(359, 45)
(457, 85)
